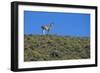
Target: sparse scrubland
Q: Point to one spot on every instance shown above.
(54, 47)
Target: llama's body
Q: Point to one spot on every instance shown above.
(46, 28)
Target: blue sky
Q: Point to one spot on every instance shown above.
(72, 24)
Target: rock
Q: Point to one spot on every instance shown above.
(87, 46)
(33, 59)
(55, 53)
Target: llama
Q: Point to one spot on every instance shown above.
(46, 28)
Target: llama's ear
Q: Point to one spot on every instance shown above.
(52, 23)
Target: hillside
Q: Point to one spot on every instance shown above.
(53, 47)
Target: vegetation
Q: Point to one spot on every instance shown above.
(53, 47)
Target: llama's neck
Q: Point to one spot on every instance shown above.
(46, 27)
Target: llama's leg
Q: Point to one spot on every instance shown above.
(47, 32)
(43, 32)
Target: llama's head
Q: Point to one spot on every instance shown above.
(51, 24)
